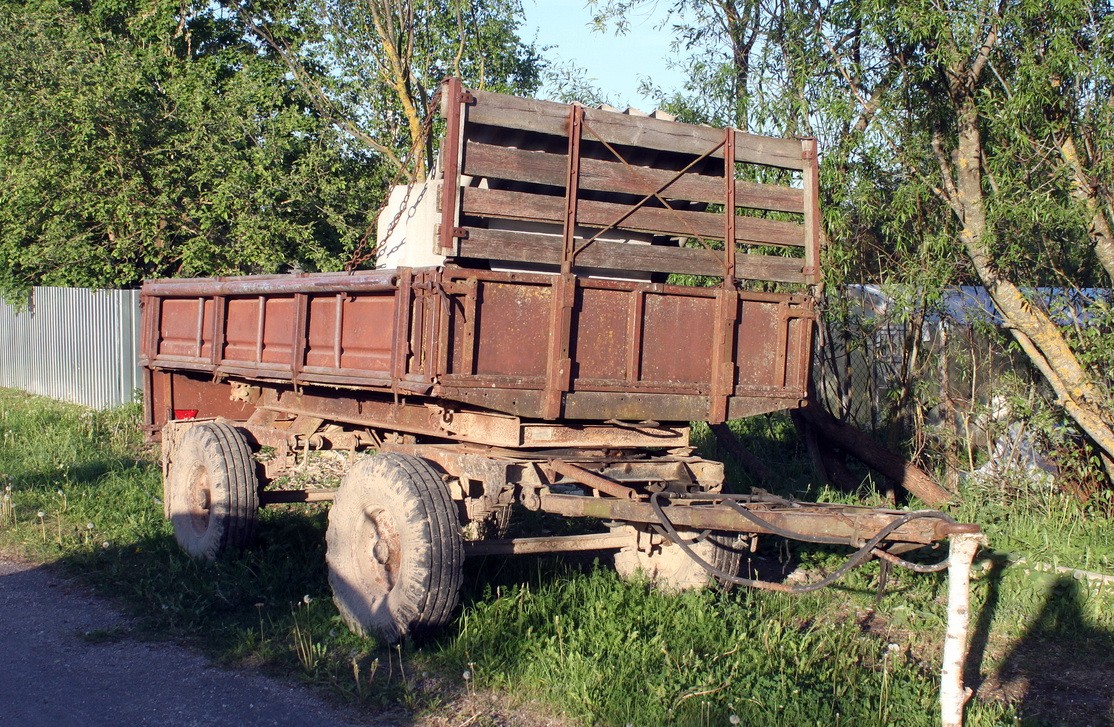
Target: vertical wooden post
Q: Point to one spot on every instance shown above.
(729, 210)
(811, 183)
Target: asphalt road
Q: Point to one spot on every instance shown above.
(52, 674)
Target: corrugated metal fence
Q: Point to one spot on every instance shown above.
(73, 344)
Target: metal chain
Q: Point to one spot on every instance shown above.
(361, 254)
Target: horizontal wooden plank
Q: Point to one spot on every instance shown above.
(540, 248)
(659, 221)
(537, 167)
(548, 117)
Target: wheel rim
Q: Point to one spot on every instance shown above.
(200, 500)
(380, 558)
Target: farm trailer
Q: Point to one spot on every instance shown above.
(524, 342)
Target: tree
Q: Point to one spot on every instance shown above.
(155, 141)
(960, 46)
(386, 59)
(964, 142)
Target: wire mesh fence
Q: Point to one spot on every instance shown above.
(944, 385)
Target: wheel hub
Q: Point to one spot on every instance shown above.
(200, 501)
(382, 546)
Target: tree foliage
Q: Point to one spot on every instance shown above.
(180, 138)
(387, 58)
(963, 143)
(154, 139)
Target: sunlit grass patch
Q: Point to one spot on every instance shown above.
(565, 632)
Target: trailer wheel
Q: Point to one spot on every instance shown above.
(671, 570)
(213, 491)
(394, 547)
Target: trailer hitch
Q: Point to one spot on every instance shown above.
(871, 548)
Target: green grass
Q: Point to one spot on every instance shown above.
(568, 634)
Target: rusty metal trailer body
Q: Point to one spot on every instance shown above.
(570, 341)
(542, 353)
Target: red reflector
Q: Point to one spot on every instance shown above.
(185, 413)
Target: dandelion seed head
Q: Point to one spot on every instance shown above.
(88, 526)
(467, 674)
(105, 545)
(306, 599)
(733, 719)
(41, 514)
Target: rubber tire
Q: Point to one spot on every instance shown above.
(671, 570)
(220, 455)
(412, 584)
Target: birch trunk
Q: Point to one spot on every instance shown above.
(1034, 330)
(1101, 234)
(953, 695)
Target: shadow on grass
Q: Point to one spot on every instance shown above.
(1064, 664)
(90, 471)
(1060, 671)
(86, 472)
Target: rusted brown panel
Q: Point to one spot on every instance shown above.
(364, 325)
(278, 329)
(635, 407)
(241, 329)
(523, 402)
(209, 398)
(800, 354)
(156, 401)
(512, 335)
(178, 327)
(321, 331)
(756, 338)
(601, 334)
(367, 333)
(205, 327)
(677, 339)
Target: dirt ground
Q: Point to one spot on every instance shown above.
(66, 658)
